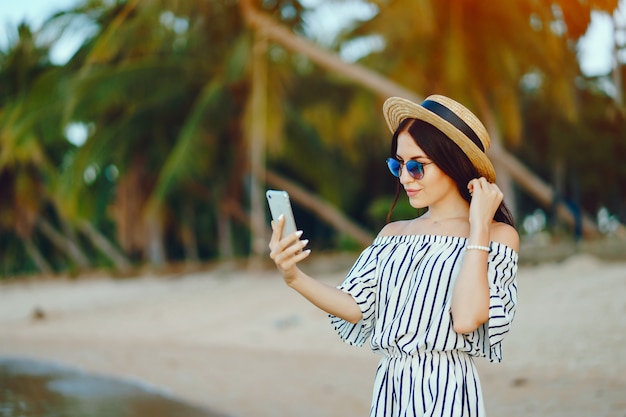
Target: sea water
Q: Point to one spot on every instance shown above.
(31, 388)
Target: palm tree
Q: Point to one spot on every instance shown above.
(33, 148)
(24, 158)
(171, 141)
(196, 139)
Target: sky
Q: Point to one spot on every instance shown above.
(34, 12)
(594, 49)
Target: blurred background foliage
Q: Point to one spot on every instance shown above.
(137, 150)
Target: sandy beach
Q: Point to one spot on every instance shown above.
(243, 344)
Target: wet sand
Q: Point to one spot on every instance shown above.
(242, 343)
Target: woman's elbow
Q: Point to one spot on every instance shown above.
(354, 318)
(464, 328)
(468, 325)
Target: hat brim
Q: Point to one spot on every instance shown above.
(397, 109)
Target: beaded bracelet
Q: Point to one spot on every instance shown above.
(478, 247)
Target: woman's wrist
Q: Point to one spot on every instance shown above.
(478, 247)
(295, 279)
(478, 236)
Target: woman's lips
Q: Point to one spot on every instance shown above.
(411, 192)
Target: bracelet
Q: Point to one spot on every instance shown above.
(477, 247)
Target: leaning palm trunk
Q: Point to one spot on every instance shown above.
(105, 246)
(35, 254)
(321, 208)
(534, 185)
(66, 245)
(543, 193)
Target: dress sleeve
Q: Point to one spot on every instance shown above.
(486, 340)
(360, 283)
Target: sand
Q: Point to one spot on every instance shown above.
(243, 344)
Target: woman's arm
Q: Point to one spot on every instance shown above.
(286, 254)
(470, 297)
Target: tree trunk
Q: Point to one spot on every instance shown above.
(542, 192)
(224, 234)
(68, 231)
(154, 250)
(105, 246)
(63, 243)
(40, 262)
(617, 69)
(504, 177)
(256, 135)
(188, 234)
(129, 209)
(359, 74)
(382, 86)
(322, 209)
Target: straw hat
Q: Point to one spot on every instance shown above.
(452, 119)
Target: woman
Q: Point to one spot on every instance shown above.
(432, 292)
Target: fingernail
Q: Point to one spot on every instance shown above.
(299, 233)
(281, 217)
(305, 242)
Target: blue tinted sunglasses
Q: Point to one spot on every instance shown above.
(414, 168)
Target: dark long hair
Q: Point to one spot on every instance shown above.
(448, 157)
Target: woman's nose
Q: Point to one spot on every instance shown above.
(405, 177)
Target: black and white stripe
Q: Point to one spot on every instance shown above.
(403, 285)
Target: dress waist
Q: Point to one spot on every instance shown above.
(421, 354)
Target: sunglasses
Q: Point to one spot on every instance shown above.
(414, 168)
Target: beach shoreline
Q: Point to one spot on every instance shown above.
(243, 344)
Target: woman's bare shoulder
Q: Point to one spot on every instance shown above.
(394, 228)
(505, 234)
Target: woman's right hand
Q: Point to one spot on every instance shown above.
(287, 252)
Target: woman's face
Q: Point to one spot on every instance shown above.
(434, 187)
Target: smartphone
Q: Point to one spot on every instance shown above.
(279, 203)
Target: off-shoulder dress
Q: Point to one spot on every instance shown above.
(403, 285)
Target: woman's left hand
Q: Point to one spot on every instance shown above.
(486, 198)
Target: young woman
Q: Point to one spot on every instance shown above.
(432, 292)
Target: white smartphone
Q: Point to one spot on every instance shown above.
(279, 203)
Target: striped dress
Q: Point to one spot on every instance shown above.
(403, 285)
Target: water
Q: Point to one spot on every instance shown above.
(36, 389)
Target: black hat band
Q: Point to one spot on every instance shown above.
(451, 117)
